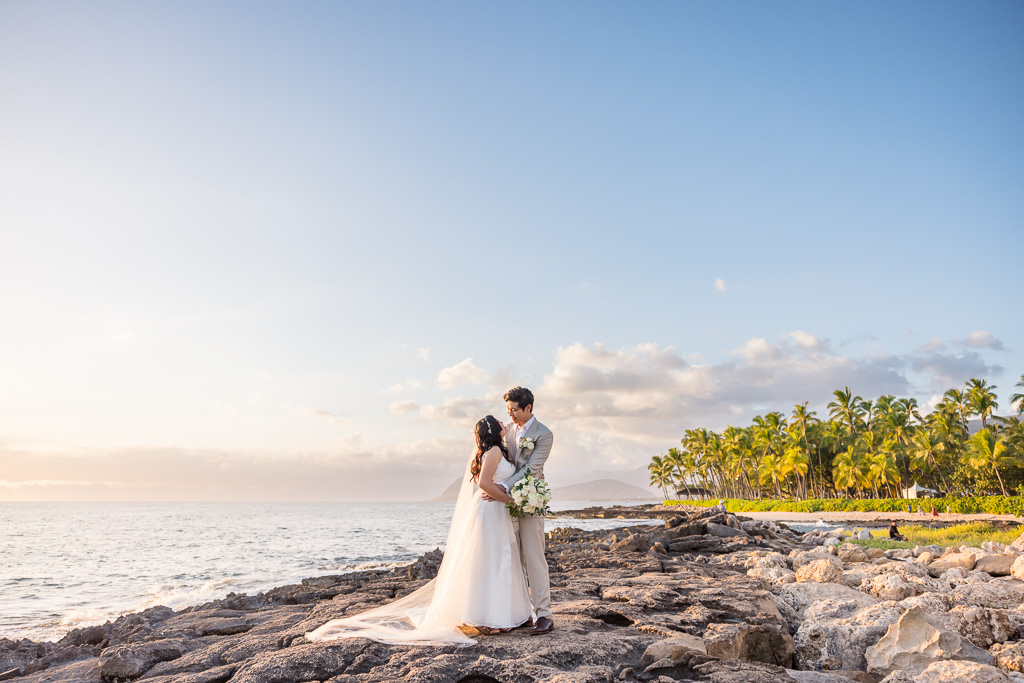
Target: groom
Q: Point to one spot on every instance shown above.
(529, 444)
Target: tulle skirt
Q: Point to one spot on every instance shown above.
(480, 583)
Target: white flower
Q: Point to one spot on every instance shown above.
(526, 444)
(530, 496)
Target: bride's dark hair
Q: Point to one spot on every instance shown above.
(488, 435)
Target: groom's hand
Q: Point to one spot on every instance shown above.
(487, 497)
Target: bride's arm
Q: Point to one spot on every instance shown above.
(485, 480)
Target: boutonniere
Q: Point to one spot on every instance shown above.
(525, 444)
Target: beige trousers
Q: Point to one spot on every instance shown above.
(530, 533)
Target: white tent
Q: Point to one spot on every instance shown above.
(917, 491)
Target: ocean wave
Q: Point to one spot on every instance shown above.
(181, 596)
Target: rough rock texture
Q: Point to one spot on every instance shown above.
(836, 633)
(996, 565)
(981, 625)
(957, 672)
(127, 662)
(706, 596)
(800, 596)
(821, 571)
(1002, 593)
(888, 587)
(627, 607)
(1017, 568)
(953, 561)
(1009, 656)
(914, 642)
(768, 643)
(772, 577)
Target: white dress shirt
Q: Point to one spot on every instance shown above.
(517, 431)
(521, 431)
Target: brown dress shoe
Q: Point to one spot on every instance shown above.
(543, 625)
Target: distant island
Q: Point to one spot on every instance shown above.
(599, 489)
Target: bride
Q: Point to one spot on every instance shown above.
(480, 582)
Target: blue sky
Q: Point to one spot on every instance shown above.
(278, 251)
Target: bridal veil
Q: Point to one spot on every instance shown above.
(480, 582)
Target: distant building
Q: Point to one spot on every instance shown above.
(693, 493)
(917, 491)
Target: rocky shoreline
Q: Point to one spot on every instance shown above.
(704, 596)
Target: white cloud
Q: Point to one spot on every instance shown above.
(758, 350)
(609, 408)
(423, 354)
(464, 372)
(719, 285)
(982, 339)
(947, 371)
(403, 407)
(471, 409)
(807, 341)
(319, 414)
(656, 385)
(56, 483)
(354, 470)
(934, 344)
(403, 387)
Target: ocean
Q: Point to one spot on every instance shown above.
(68, 565)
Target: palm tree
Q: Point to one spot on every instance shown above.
(894, 423)
(767, 439)
(1018, 399)
(867, 410)
(801, 418)
(796, 460)
(981, 398)
(661, 473)
(1013, 433)
(845, 471)
(876, 458)
(679, 464)
(959, 401)
(989, 452)
(926, 447)
(773, 469)
(909, 406)
(884, 407)
(737, 446)
(702, 445)
(847, 409)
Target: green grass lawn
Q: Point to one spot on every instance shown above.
(972, 534)
(995, 505)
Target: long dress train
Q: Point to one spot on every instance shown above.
(480, 582)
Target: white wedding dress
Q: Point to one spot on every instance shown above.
(480, 582)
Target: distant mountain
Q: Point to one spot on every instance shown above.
(603, 489)
(451, 494)
(974, 426)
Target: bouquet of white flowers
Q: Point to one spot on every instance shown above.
(530, 496)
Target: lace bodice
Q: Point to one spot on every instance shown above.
(503, 471)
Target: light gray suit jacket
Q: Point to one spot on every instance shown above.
(529, 460)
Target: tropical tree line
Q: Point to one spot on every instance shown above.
(863, 449)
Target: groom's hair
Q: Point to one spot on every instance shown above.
(522, 397)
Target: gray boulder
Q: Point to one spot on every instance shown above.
(836, 634)
(997, 565)
(915, 642)
(131, 661)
